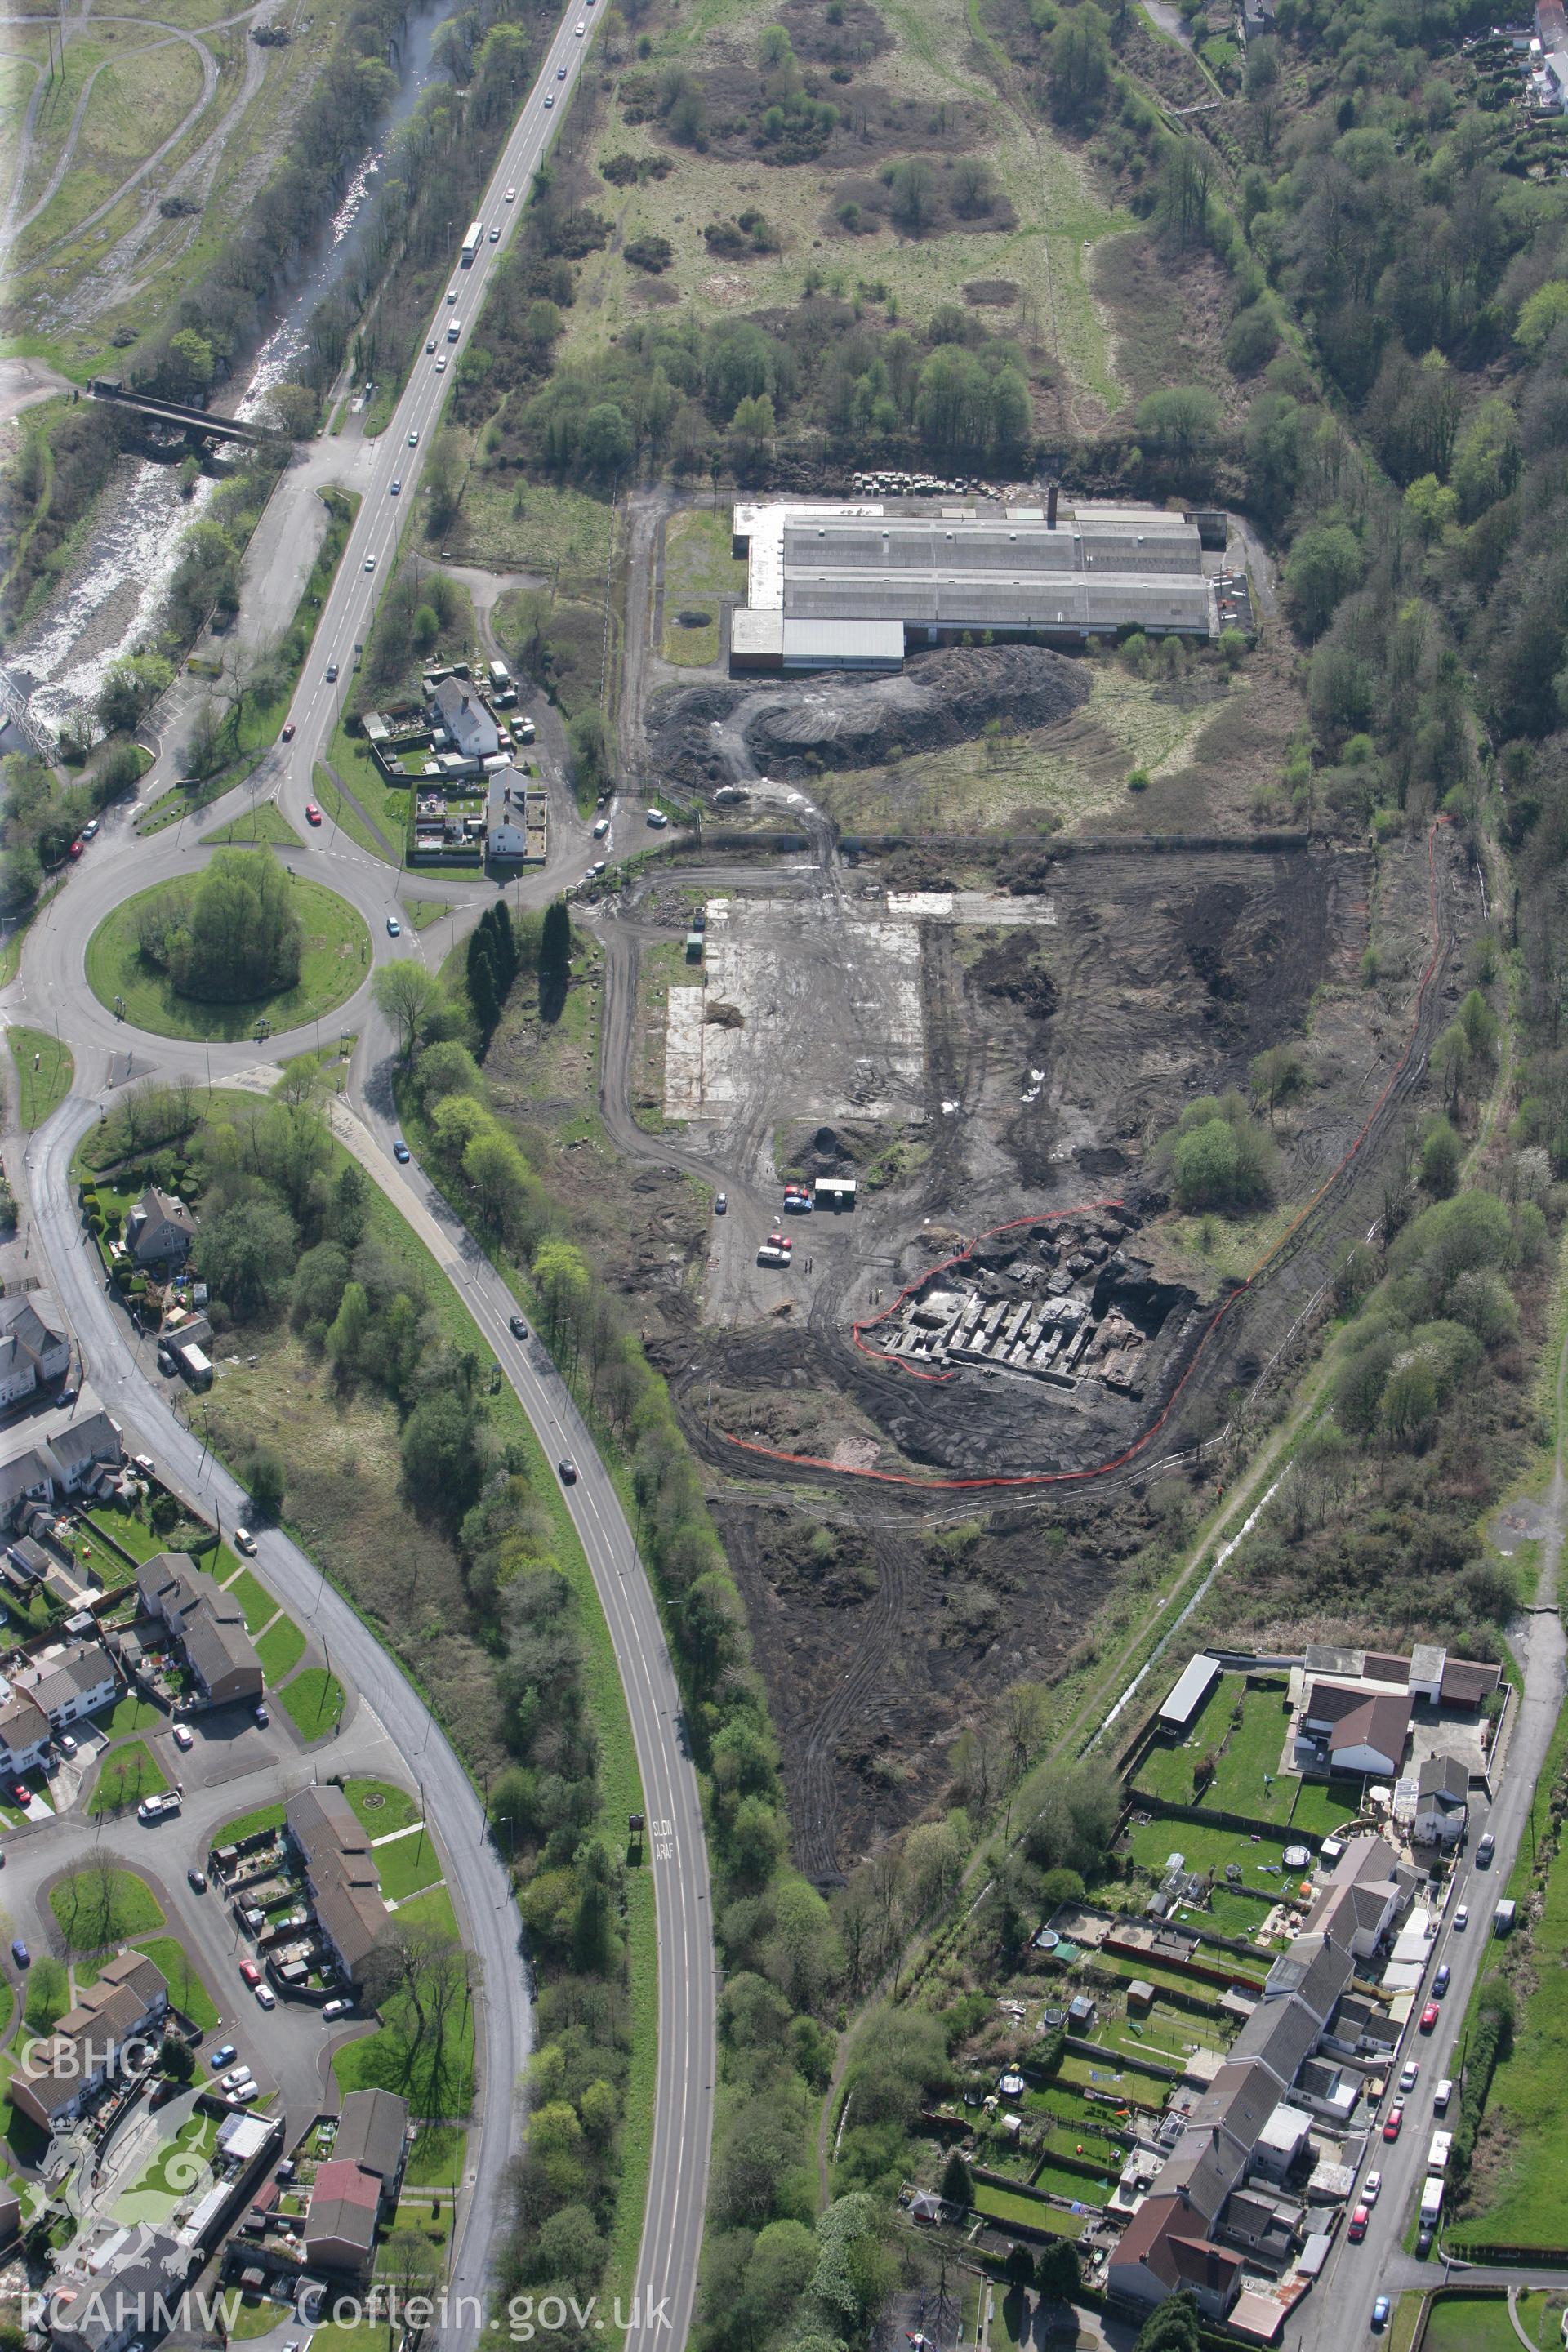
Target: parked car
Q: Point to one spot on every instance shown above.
(1358, 2220)
(1423, 2245)
(266, 1997)
(1429, 2016)
(67, 1744)
(21, 1792)
(1442, 2095)
(337, 2009)
(568, 1470)
(263, 1716)
(1372, 2189)
(1392, 2127)
(185, 1738)
(75, 849)
(251, 1973)
(720, 1204)
(20, 1954)
(198, 1879)
(221, 2055)
(240, 2074)
(243, 1541)
(1379, 2311)
(401, 1153)
(1407, 2074)
(1461, 1918)
(89, 829)
(249, 2090)
(1441, 1981)
(1485, 1851)
(394, 927)
(601, 828)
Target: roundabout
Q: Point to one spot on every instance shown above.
(334, 960)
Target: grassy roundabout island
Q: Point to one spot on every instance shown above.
(210, 954)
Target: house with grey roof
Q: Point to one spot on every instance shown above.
(460, 708)
(160, 1228)
(208, 1624)
(27, 1478)
(1442, 1801)
(81, 1449)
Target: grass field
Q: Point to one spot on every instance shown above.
(148, 93)
(436, 2080)
(381, 1807)
(97, 1906)
(698, 570)
(133, 1713)
(1073, 772)
(335, 961)
(186, 1988)
(245, 1825)
(1529, 2098)
(1207, 1847)
(253, 1597)
(126, 1775)
(314, 1701)
(264, 821)
(280, 1649)
(1470, 2324)
(935, 61)
(1005, 2205)
(438, 2158)
(386, 805)
(408, 1865)
(42, 1088)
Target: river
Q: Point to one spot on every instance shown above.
(111, 602)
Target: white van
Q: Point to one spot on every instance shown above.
(1442, 2095)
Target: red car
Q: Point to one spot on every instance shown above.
(1390, 2129)
(75, 849)
(1429, 2017)
(22, 1793)
(289, 733)
(250, 1972)
(1358, 2220)
(313, 814)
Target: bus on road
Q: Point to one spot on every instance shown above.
(471, 244)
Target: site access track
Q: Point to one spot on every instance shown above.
(1308, 1225)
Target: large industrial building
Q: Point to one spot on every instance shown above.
(856, 587)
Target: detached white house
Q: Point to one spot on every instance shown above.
(506, 828)
(1352, 1731)
(459, 710)
(1442, 1801)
